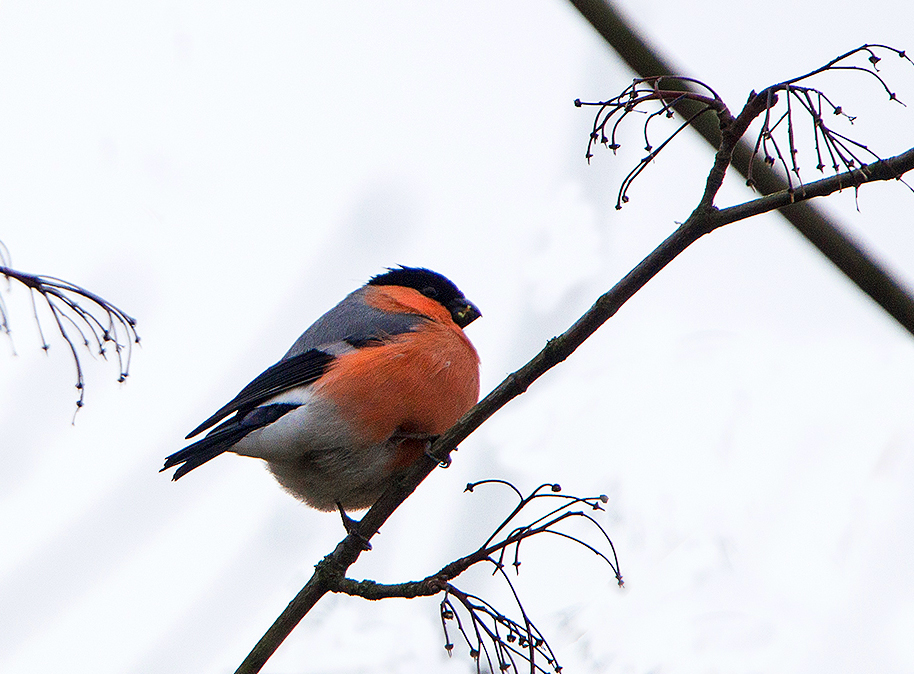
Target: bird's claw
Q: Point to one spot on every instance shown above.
(443, 463)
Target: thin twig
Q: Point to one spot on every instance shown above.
(69, 304)
(523, 640)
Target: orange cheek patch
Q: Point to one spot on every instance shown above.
(400, 300)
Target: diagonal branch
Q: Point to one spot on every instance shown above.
(330, 572)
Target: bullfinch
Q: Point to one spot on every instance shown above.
(359, 395)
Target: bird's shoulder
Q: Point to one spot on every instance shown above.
(359, 320)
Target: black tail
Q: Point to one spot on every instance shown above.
(203, 450)
(223, 437)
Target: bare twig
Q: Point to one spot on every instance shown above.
(494, 633)
(498, 545)
(892, 168)
(844, 152)
(641, 92)
(665, 92)
(80, 316)
(826, 234)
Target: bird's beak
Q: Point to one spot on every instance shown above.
(464, 312)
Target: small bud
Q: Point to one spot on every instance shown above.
(556, 487)
(577, 102)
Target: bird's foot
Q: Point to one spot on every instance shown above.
(445, 462)
(427, 440)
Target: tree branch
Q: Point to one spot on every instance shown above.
(329, 574)
(493, 550)
(825, 234)
(887, 169)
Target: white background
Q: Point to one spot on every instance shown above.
(225, 172)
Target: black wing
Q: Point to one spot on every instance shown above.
(287, 374)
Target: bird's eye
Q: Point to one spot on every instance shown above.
(429, 292)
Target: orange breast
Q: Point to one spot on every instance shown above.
(420, 382)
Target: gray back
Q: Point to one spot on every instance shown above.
(352, 321)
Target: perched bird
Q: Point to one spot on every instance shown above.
(359, 395)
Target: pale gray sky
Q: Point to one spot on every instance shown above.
(226, 172)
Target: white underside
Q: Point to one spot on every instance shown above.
(314, 456)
